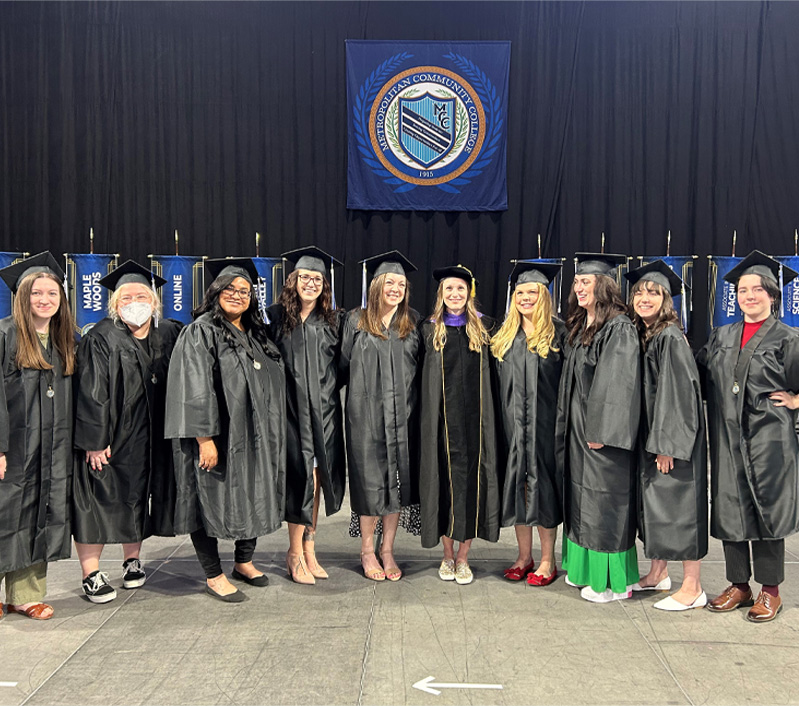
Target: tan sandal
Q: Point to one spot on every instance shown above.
(372, 574)
(393, 573)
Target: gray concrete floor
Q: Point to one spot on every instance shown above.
(352, 641)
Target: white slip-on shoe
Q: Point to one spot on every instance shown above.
(668, 603)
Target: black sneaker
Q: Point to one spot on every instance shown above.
(97, 588)
(133, 575)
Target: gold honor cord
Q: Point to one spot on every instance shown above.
(449, 459)
(480, 448)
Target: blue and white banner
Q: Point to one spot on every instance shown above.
(6, 259)
(790, 293)
(88, 299)
(722, 301)
(683, 265)
(183, 290)
(270, 280)
(427, 125)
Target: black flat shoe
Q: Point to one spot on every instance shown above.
(262, 580)
(236, 597)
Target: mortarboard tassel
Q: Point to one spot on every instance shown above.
(156, 317)
(363, 287)
(333, 283)
(782, 294)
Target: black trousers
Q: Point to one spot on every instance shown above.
(208, 552)
(768, 558)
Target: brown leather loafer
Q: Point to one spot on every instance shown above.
(730, 599)
(765, 609)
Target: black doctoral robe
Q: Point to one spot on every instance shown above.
(754, 453)
(36, 437)
(458, 473)
(527, 404)
(673, 522)
(600, 401)
(215, 390)
(315, 427)
(381, 417)
(120, 388)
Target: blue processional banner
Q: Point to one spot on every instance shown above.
(427, 125)
(270, 281)
(722, 302)
(89, 300)
(790, 293)
(6, 259)
(683, 265)
(183, 290)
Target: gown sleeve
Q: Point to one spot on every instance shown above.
(192, 409)
(92, 395)
(4, 425)
(613, 406)
(675, 415)
(791, 363)
(348, 330)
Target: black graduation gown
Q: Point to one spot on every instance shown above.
(381, 417)
(600, 401)
(120, 400)
(527, 403)
(754, 453)
(673, 522)
(315, 428)
(36, 436)
(214, 390)
(458, 483)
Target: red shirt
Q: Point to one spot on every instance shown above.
(750, 329)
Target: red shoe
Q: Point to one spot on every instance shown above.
(517, 573)
(538, 580)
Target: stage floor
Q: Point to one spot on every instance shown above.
(352, 641)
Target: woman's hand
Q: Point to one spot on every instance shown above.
(664, 463)
(98, 459)
(208, 453)
(595, 447)
(783, 398)
(3, 464)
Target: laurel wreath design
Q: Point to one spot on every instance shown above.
(485, 90)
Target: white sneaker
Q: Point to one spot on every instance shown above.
(606, 596)
(571, 583)
(446, 572)
(664, 585)
(668, 603)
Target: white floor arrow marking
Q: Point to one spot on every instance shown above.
(428, 685)
(8, 683)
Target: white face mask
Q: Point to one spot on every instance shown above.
(136, 313)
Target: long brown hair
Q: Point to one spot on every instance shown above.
(667, 316)
(292, 304)
(540, 340)
(475, 331)
(609, 305)
(29, 350)
(371, 321)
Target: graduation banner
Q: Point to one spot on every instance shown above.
(89, 300)
(683, 265)
(427, 125)
(270, 280)
(183, 290)
(722, 302)
(6, 259)
(790, 293)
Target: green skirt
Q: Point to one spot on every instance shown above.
(600, 570)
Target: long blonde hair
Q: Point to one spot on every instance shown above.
(475, 331)
(371, 321)
(540, 340)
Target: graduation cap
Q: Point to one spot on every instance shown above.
(393, 262)
(312, 258)
(43, 262)
(758, 263)
(131, 272)
(459, 271)
(594, 263)
(526, 271)
(242, 267)
(660, 273)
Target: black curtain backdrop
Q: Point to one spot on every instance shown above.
(222, 119)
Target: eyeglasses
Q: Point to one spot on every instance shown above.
(310, 279)
(128, 298)
(231, 291)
